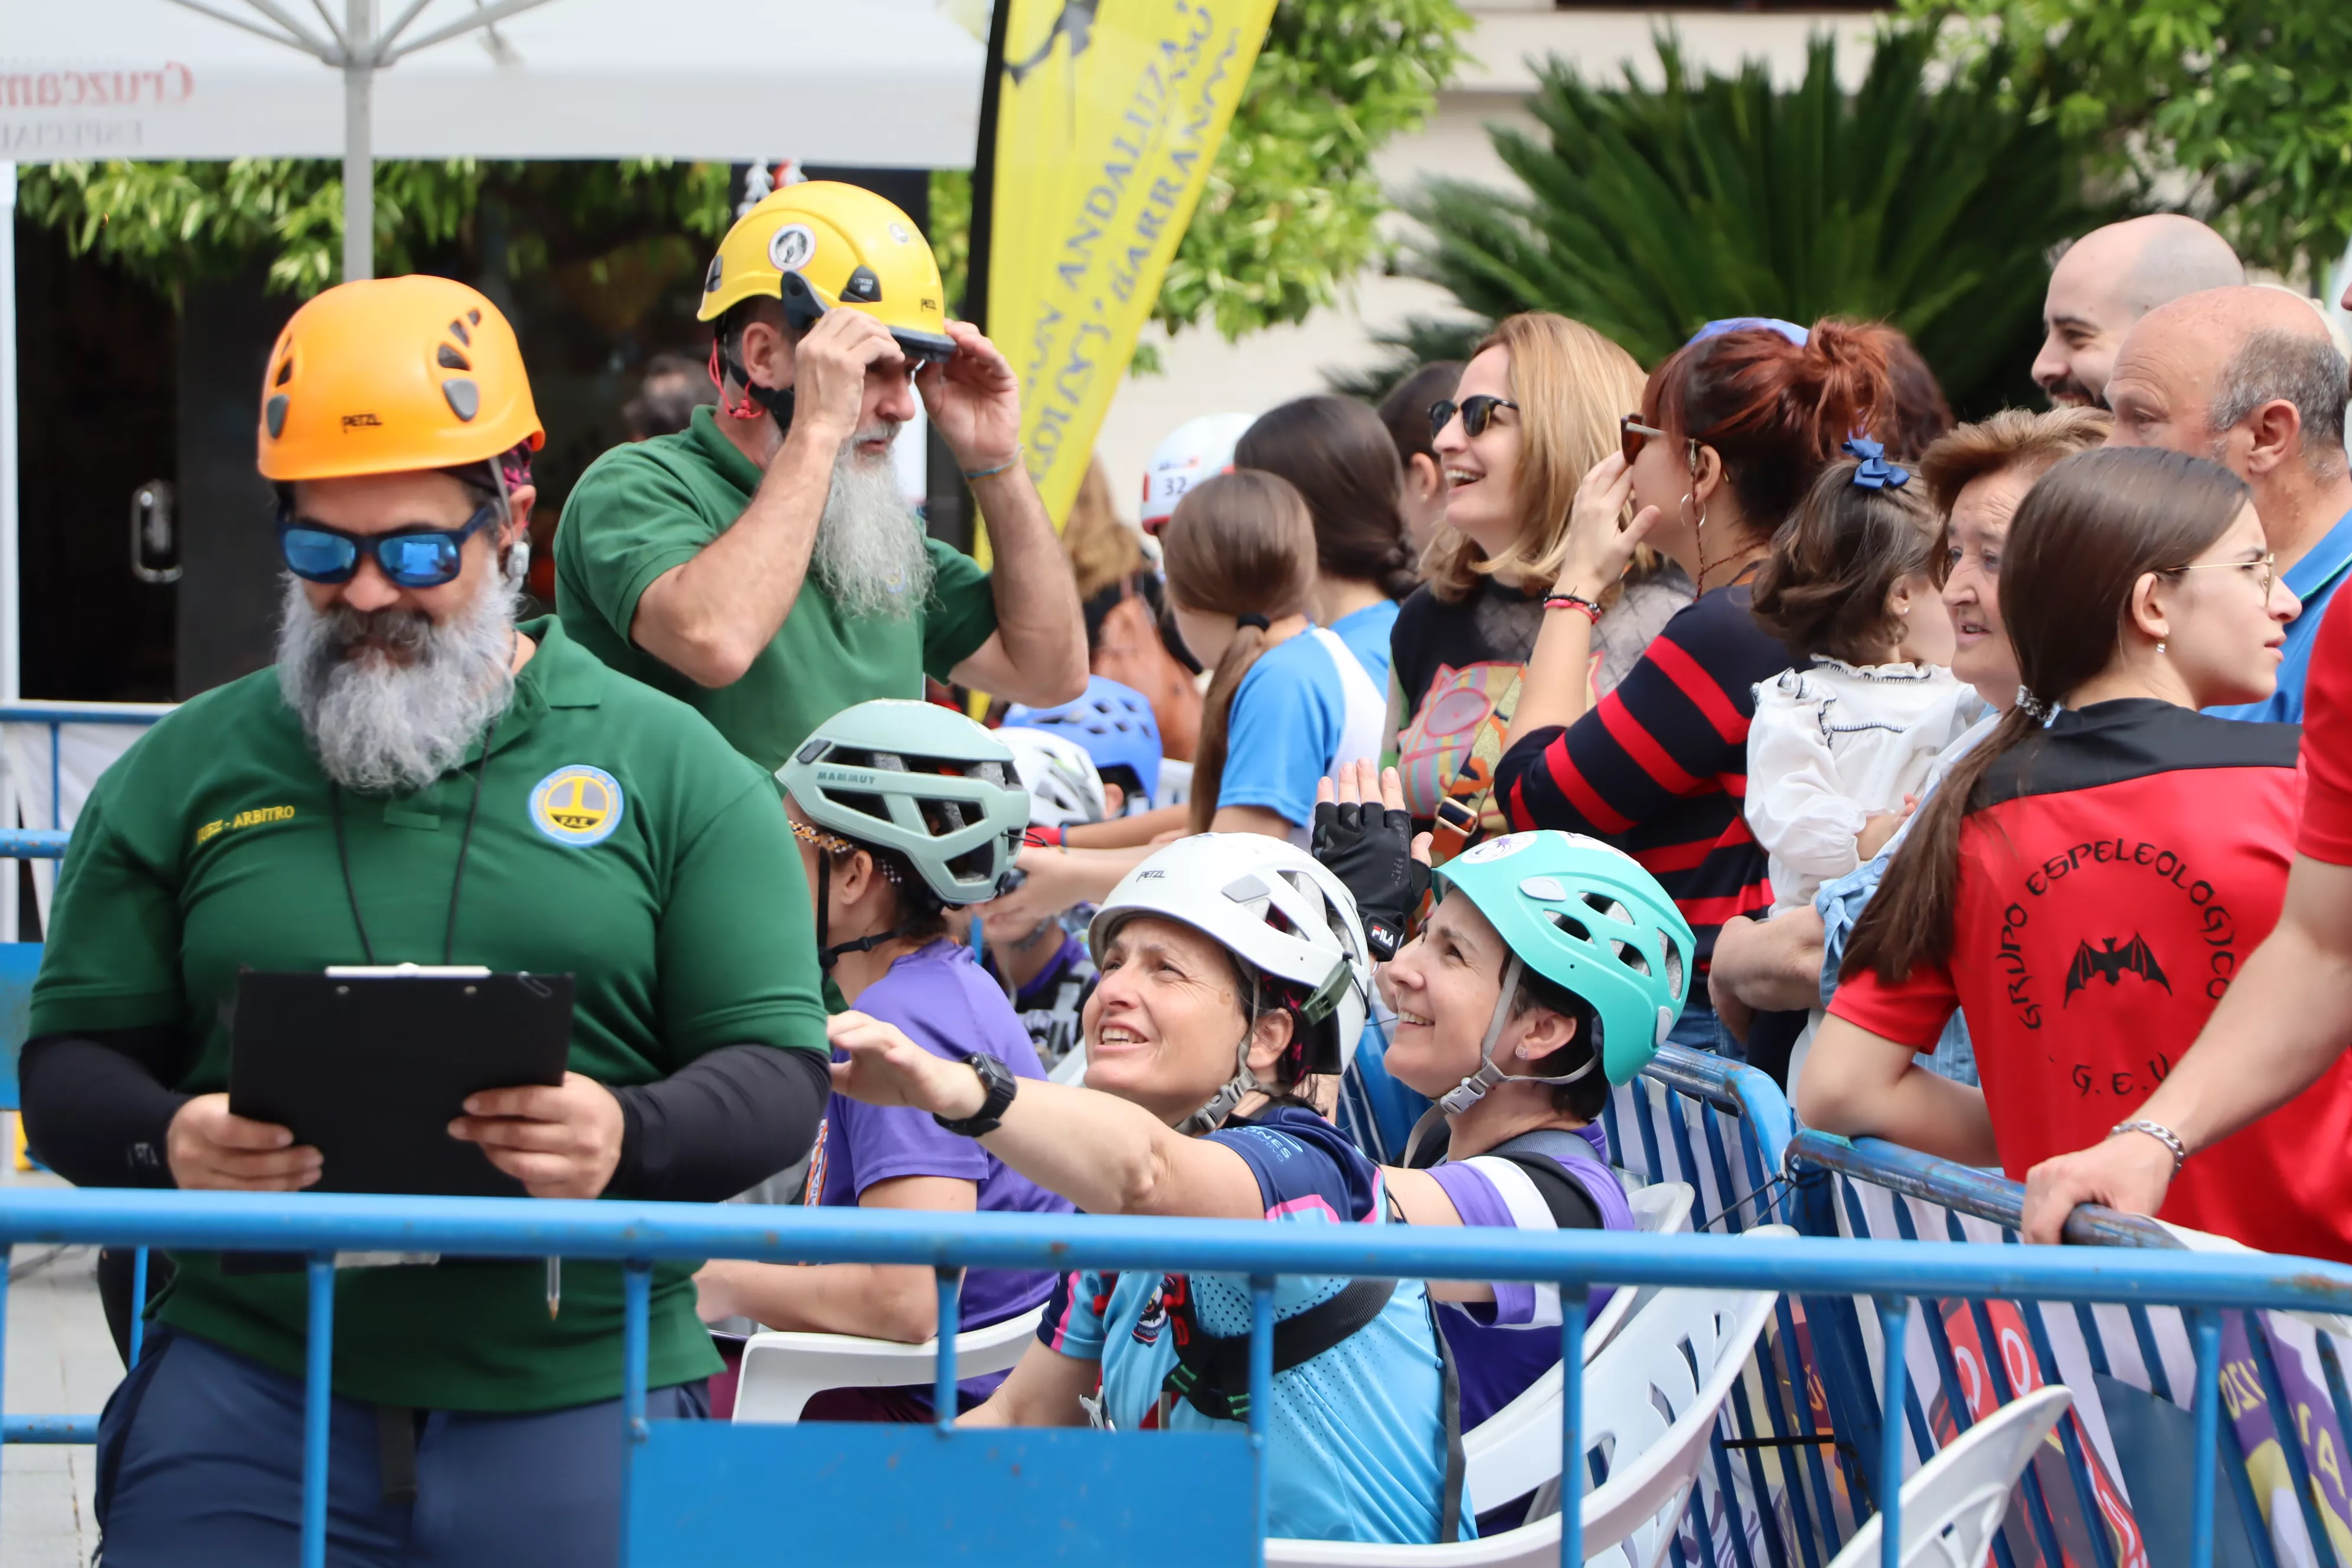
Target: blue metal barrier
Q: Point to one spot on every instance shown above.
(963, 1470)
(2279, 1441)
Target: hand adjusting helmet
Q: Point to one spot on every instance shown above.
(922, 782)
(1589, 920)
(820, 246)
(1291, 928)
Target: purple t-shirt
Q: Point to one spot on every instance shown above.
(948, 1005)
(1501, 1348)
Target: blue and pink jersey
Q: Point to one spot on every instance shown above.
(1359, 1437)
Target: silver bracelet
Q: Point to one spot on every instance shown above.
(2161, 1133)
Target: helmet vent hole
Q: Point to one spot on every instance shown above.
(1570, 924)
(450, 359)
(1630, 957)
(1608, 908)
(475, 317)
(457, 331)
(872, 805)
(285, 371)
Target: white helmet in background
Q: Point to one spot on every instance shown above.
(1064, 788)
(1195, 450)
(1286, 918)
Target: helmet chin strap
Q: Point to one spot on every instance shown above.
(826, 957)
(1236, 1089)
(1473, 1088)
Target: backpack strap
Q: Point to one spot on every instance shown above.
(1449, 1507)
(1541, 1154)
(1212, 1375)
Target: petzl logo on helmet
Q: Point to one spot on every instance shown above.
(576, 805)
(361, 421)
(790, 247)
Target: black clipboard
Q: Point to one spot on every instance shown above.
(370, 1065)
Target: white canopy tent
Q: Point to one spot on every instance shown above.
(858, 83)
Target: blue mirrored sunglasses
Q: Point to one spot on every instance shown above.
(418, 557)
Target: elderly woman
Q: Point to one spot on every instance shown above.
(1234, 972)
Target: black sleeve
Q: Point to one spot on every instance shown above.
(1572, 1206)
(96, 1106)
(727, 1122)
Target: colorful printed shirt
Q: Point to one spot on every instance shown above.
(1359, 1437)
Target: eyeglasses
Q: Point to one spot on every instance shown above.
(1477, 413)
(418, 557)
(2264, 568)
(1630, 435)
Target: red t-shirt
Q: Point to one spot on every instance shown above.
(2118, 874)
(2327, 831)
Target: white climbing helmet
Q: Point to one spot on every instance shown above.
(1284, 916)
(1064, 788)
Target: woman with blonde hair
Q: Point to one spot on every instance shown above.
(1537, 406)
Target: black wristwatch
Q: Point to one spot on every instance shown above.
(1001, 1086)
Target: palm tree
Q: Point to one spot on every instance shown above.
(1927, 200)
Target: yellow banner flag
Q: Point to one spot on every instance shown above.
(1107, 115)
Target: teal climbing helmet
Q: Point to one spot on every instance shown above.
(921, 780)
(1589, 920)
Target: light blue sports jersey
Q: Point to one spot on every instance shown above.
(1358, 1442)
(1367, 633)
(1304, 709)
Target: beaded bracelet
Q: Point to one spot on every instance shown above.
(1574, 602)
(991, 473)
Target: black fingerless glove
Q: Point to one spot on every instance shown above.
(1369, 849)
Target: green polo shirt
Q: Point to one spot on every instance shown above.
(619, 840)
(643, 509)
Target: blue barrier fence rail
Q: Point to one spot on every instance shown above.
(639, 1235)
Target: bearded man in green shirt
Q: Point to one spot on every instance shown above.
(761, 565)
(419, 779)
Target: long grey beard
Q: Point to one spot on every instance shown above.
(392, 716)
(869, 551)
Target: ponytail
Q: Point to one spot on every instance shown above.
(1240, 544)
(1342, 460)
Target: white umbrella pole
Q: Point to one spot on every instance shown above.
(10, 600)
(359, 140)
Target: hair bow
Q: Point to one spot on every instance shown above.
(1876, 472)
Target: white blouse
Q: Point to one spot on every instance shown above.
(1834, 744)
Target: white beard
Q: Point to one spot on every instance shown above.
(385, 725)
(869, 551)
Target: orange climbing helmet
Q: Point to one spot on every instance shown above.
(391, 375)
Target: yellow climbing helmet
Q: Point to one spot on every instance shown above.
(822, 244)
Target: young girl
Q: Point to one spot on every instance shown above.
(1840, 741)
(1287, 703)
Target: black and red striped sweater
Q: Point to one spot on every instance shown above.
(1659, 767)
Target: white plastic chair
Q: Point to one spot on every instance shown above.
(783, 1371)
(1956, 1502)
(1072, 1067)
(1517, 1449)
(1630, 1520)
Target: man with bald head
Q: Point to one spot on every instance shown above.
(2107, 280)
(2249, 378)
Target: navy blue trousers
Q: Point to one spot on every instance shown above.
(200, 1461)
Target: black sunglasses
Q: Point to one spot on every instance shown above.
(1477, 413)
(418, 557)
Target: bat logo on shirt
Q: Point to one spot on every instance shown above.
(2134, 957)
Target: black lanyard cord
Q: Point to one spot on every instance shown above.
(464, 847)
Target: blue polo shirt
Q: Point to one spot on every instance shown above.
(2313, 580)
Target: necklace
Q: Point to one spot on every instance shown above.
(464, 846)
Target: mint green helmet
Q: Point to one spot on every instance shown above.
(920, 780)
(1589, 920)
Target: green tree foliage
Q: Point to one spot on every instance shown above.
(2249, 100)
(1923, 202)
(1289, 211)
(169, 223)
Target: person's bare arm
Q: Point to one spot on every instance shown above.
(879, 1300)
(2282, 1024)
(1558, 685)
(1772, 966)
(1422, 1201)
(1255, 820)
(709, 617)
(1128, 832)
(1042, 1390)
(1103, 1153)
(1863, 1085)
(1038, 653)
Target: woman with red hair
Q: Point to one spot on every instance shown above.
(1732, 431)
